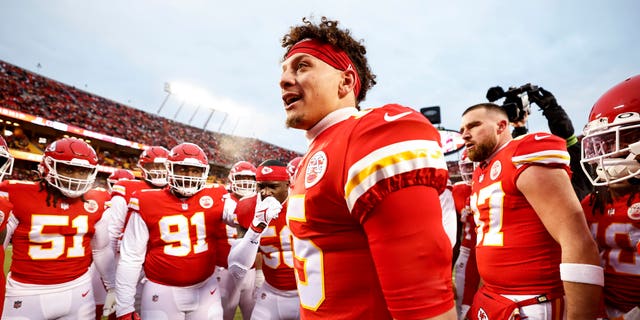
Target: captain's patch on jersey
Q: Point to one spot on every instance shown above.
(496, 169)
(316, 167)
(91, 206)
(206, 202)
(634, 211)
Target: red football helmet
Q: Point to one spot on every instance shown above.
(243, 178)
(292, 168)
(466, 167)
(117, 175)
(152, 163)
(188, 169)
(611, 143)
(70, 165)
(6, 159)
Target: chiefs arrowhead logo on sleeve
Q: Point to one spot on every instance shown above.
(315, 169)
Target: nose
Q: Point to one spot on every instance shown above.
(465, 135)
(287, 78)
(265, 192)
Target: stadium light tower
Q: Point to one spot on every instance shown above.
(209, 118)
(194, 114)
(223, 120)
(167, 89)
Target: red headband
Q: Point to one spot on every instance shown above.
(272, 173)
(328, 53)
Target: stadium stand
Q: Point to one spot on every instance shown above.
(38, 96)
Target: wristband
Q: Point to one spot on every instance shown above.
(572, 140)
(582, 273)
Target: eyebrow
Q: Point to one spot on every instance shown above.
(470, 125)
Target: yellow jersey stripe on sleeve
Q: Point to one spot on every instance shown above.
(389, 161)
(542, 157)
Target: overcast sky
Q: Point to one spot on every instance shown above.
(425, 53)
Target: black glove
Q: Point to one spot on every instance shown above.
(559, 122)
(519, 131)
(543, 98)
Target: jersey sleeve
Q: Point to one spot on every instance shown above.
(132, 256)
(391, 148)
(541, 149)
(118, 212)
(245, 211)
(400, 261)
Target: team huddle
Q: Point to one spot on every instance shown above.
(357, 228)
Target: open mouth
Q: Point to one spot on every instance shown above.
(290, 98)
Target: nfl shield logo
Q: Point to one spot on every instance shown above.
(154, 298)
(17, 304)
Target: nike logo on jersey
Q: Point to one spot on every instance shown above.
(85, 294)
(389, 118)
(213, 291)
(537, 137)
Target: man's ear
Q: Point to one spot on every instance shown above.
(348, 82)
(503, 125)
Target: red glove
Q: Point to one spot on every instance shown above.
(129, 316)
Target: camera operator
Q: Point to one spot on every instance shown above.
(561, 126)
(558, 120)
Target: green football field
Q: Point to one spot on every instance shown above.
(7, 263)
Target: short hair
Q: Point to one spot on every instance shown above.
(492, 107)
(327, 31)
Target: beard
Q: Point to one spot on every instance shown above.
(482, 151)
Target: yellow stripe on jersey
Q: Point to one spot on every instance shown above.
(389, 161)
(542, 157)
(295, 208)
(133, 204)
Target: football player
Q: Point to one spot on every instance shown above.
(242, 178)
(528, 218)
(611, 159)
(152, 163)
(6, 168)
(467, 278)
(268, 234)
(58, 226)
(176, 234)
(117, 175)
(99, 292)
(364, 212)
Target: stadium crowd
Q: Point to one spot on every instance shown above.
(37, 95)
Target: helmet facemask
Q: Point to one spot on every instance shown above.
(6, 163)
(155, 173)
(187, 177)
(73, 178)
(243, 185)
(610, 153)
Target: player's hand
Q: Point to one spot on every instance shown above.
(109, 303)
(543, 98)
(267, 209)
(129, 316)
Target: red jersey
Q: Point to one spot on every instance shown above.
(51, 243)
(5, 210)
(347, 171)
(514, 251)
(125, 188)
(461, 193)
(187, 237)
(275, 245)
(617, 231)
